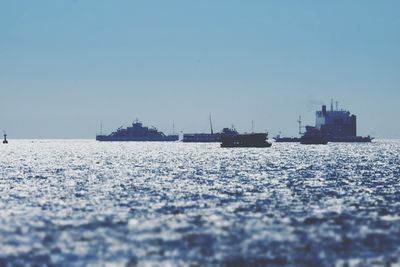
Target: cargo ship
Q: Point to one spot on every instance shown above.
(208, 137)
(137, 132)
(339, 125)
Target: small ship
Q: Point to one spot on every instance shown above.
(137, 132)
(209, 137)
(246, 140)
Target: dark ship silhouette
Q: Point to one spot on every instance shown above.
(334, 126)
(137, 132)
(339, 125)
(246, 140)
(313, 136)
(208, 137)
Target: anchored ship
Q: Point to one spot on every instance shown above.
(336, 125)
(246, 140)
(137, 132)
(339, 125)
(208, 137)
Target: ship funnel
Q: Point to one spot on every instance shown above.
(324, 110)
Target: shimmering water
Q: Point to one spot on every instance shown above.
(85, 203)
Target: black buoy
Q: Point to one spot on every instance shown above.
(5, 139)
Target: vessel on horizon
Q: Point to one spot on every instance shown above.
(337, 125)
(137, 132)
(208, 137)
(246, 140)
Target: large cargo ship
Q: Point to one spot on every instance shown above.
(137, 132)
(339, 125)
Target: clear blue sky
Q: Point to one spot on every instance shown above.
(66, 66)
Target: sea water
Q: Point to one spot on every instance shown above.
(86, 203)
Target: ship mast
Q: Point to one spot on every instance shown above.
(252, 126)
(212, 132)
(299, 121)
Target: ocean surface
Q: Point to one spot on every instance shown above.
(85, 203)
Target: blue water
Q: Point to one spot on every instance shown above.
(80, 203)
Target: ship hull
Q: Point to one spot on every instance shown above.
(351, 139)
(245, 140)
(314, 141)
(287, 139)
(106, 138)
(201, 138)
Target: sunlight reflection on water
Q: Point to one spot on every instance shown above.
(88, 203)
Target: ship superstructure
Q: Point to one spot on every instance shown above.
(137, 132)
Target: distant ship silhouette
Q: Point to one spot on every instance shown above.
(208, 137)
(332, 125)
(137, 132)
